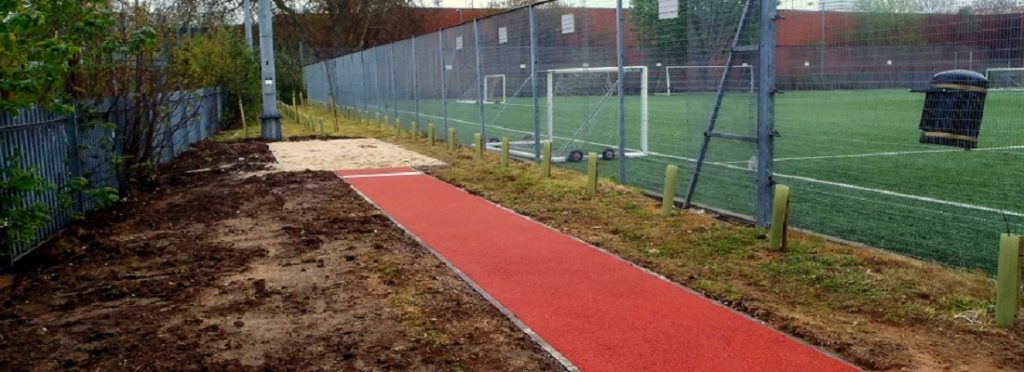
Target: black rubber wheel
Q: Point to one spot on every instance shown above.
(608, 154)
(575, 156)
(493, 140)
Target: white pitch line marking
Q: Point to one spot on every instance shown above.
(399, 174)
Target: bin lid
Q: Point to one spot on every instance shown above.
(953, 78)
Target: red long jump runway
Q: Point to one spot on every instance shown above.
(597, 311)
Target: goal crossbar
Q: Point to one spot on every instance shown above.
(668, 74)
(988, 76)
(581, 70)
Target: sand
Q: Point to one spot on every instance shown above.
(333, 155)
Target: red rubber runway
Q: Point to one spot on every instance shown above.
(599, 312)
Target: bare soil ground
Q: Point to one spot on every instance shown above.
(281, 271)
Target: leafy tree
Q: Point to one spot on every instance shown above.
(702, 31)
(40, 43)
(221, 58)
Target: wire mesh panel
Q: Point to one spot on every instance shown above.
(507, 88)
(699, 84)
(461, 82)
(857, 122)
(428, 78)
(404, 64)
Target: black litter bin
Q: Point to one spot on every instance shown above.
(953, 108)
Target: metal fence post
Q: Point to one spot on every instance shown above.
(366, 82)
(394, 85)
(415, 79)
(479, 77)
(444, 81)
(620, 57)
(766, 114)
(533, 85)
(74, 158)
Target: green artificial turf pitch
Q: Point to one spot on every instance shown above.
(852, 159)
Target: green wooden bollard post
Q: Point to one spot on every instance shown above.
(780, 218)
(432, 136)
(478, 143)
(1008, 282)
(592, 174)
(545, 164)
(398, 127)
(451, 139)
(321, 126)
(668, 196)
(415, 131)
(504, 152)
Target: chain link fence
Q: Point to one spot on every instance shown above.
(826, 97)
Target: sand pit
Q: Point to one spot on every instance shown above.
(332, 155)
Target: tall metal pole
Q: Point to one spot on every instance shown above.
(766, 115)
(247, 20)
(416, 79)
(444, 81)
(821, 50)
(620, 56)
(366, 82)
(394, 85)
(479, 78)
(533, 84)
(270, 121)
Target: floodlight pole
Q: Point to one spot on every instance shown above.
(247, 20)
(270, 121)
(766, 115)
(620, 56)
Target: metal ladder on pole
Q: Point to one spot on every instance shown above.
(734, 48)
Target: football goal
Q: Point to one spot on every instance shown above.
(1005, 78)
(581, 114)
(494, 91)
(703, 79)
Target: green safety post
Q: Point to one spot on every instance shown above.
(780, 218)
(478, 140)
(321, 126)
(1008, 282)
(451, 139)
(504, 152)
(545, 164)
(431, 134)
(668, 196)
(415, 131)
(592, 174)
(398, 127)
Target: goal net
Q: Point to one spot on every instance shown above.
(1011, 78)
(705, 79)
(582, 113)
(494, 89)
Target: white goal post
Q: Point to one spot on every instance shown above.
(582, 70)
(499, 84)
(1016, 80)
(717, 75)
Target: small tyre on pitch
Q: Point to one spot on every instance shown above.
(608, 154)
(575, 156)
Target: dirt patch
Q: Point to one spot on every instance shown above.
(278, 271)
(335, 155)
